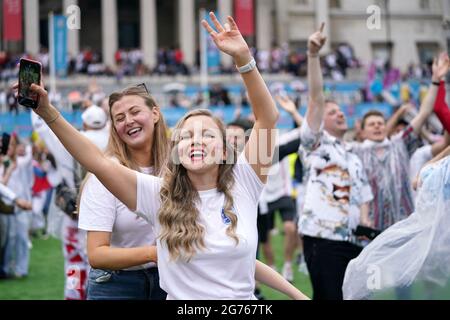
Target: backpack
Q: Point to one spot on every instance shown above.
(66, 198)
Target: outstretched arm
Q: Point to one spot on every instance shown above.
(259, 148)
(118, 179)
(7, 193)
(440, 156)
(316, 102)
(273, 279)
(8, 173)
(393, 120)
(440, 69)
(439, 146)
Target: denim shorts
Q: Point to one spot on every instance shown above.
(124, 285)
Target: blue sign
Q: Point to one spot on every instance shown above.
(60, 44)
(213, 54)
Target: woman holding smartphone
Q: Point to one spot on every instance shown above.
(204, 209)
(118, 242)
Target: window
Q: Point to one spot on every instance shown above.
(424, 4)
(335, 4)
(427, 51)
(381, 52)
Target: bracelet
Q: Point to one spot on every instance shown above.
(436, 83)
(53, 120)
(248, 67)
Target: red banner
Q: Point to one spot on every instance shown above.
(243, 13)
(12, 20)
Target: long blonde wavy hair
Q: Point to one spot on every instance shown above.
(178, 216)
(160, 145)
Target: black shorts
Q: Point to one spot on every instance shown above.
(287, 208)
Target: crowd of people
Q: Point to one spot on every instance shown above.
(170, 61)
(150, 212)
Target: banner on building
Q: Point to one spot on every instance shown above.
(243, 12)
(60, 44)
(12, 20)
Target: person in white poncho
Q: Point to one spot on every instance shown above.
(412, 250)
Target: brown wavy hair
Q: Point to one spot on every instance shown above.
(178, 216)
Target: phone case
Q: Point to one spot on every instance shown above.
(29, 73)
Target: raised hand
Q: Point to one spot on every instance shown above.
(289, 106)
(441, 66)
(286, 104)
(229, 39)
(316, 41)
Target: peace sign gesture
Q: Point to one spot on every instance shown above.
(228, 39)
(316, 41)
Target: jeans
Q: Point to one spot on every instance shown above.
(124, 285)
(4, 229)
(17, 253)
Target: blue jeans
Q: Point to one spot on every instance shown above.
(4, 230)
(124, 285)
(17, 253)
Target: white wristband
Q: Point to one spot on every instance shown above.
(248, 67)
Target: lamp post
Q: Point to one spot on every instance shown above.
(389, 43)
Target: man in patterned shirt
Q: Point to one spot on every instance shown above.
(337, 191)
(387, 161)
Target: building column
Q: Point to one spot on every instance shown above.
(32, 34)
(149, 32)
(187, 30)
(264, 24)
(110, 35)
(225, 8)
(73, 35)
(446, 18)
(282, 7)
(323, 15)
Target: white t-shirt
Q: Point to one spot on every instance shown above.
(100, 210)
(6, 193)
(279, 183)
(22, 178)
(222, 270)
(99, 137)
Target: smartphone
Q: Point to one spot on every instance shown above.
(29, 73)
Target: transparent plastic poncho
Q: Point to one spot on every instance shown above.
(413, 250)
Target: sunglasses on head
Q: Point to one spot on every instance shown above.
(143, 86)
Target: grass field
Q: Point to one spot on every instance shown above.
(46, 278)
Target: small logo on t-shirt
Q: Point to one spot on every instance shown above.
(226, 220)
